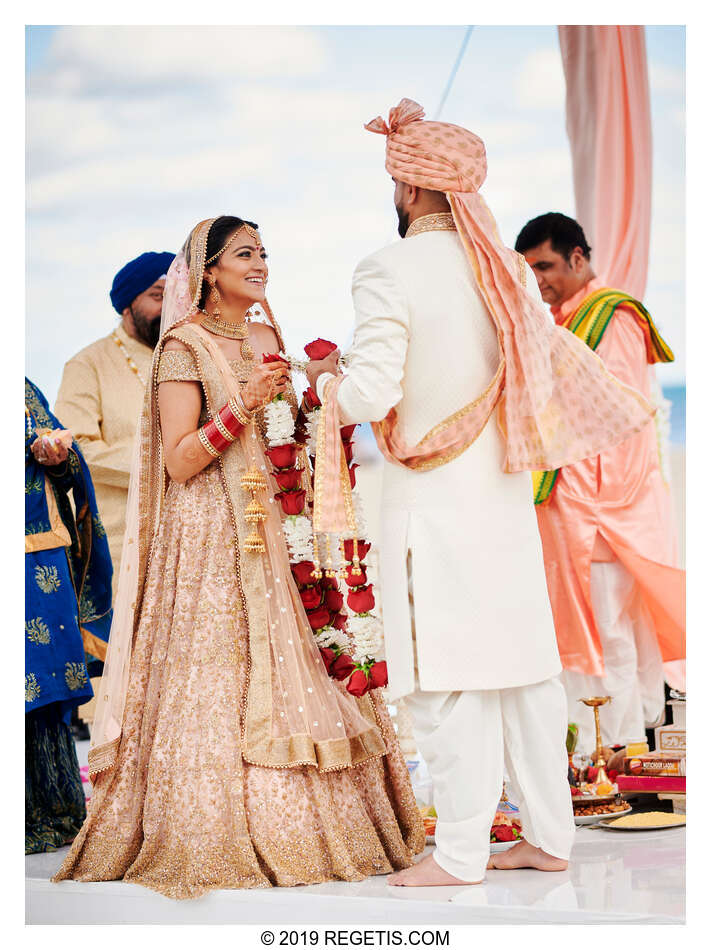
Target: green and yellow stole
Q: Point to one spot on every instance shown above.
(589, 323)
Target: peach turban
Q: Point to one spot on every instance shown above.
(433, 155)
(557, 403)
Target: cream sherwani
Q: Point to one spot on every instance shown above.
(100, 400)
(468, 628)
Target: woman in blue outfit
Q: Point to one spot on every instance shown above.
(67, 620)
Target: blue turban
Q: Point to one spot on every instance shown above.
(138, 275)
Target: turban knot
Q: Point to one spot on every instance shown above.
(434, 155)
(138, 275)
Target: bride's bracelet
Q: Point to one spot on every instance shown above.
(221, 431)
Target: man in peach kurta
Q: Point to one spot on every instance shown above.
(607, 525)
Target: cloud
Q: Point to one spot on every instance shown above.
(666, 80)
(93, 59)
(540, 82)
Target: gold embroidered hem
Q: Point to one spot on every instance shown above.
(442, 221)
(57, 536)
(182, 811)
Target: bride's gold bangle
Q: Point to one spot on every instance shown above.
(239, 410)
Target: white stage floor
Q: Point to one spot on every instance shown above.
(614, 878)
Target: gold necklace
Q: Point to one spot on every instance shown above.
(120, 344)
(233, 331)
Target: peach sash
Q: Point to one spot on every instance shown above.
(557, 404)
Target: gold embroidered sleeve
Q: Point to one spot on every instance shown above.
(177, 366)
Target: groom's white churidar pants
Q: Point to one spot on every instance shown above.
(466, 738)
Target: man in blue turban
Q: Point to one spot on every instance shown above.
(101, 393)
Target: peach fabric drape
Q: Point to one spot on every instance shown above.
(609, 126)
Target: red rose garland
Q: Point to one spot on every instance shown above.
(322, 600)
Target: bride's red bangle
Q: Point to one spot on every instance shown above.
(220, 432)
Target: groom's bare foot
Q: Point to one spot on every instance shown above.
(524, 855)
(426, 873)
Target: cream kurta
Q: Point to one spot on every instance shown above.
(425, 342)
(100, 401)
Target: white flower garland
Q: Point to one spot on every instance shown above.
(280, 423)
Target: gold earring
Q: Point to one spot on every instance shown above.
(214, 293)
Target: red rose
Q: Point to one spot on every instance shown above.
(351, 474)
(340, 621)
(592, 773)
(358, 683)
(502, 832)
(328, 655)
(348, 449)
(282, 456)
(361, 601)
(363, 548)
(328, 583)
(292, 502)
(342, 666)
(347, 431)
(311, 400)
(311, 597)
(356, 580)
(302, 572)
(288, 479)
(319, 349)
(333, 600)
(318, 618)
(273, 358)
(379, 674)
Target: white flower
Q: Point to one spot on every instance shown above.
(299, 538)
(330, 637)
(297, 365)
(312, 431)
(280, 423)
(367, 634)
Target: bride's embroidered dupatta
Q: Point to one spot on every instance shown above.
(294, 713)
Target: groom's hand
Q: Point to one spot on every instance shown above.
(316, 367)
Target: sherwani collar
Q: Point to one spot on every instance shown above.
(441, 221)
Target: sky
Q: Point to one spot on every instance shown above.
(136, 133)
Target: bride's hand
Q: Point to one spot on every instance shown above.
(328, 365)
(266, 381)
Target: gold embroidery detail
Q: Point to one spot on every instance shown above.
(32, 688)
(47, 579)
(177, 366)
(75, 676)
(443, 221)
(37, 631)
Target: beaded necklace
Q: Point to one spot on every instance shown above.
(120, 344)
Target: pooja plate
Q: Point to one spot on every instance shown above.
(596, 819)
(606, 826)
(496, 846)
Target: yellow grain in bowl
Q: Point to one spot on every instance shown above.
(647, 819)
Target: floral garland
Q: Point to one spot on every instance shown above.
(350, 641)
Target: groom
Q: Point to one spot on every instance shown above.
(470, 640)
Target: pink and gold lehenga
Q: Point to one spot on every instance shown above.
(224, 756)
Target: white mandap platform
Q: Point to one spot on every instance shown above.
(614, 878)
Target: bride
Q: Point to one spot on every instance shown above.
(223, 755)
